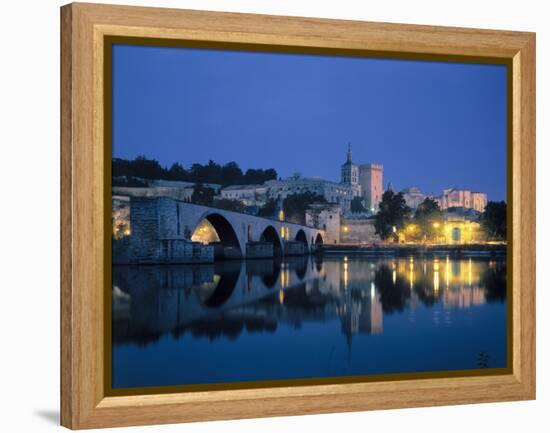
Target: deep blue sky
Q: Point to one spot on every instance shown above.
(433, 125)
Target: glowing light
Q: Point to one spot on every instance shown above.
(447, 269)
(282, 232)
(287, 237)
(436, 225)
(281, 215)
(345, 229)
(281, 296)
(205, 233)
(470, 271)
(345, 274)
(372, 290)
(394, 276)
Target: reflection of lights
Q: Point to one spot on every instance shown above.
(372, 290)
(345, 258)
(470, 271)
(345, 274)
(436, 264)
(287, 234)
(394, 276)
(436, 282)
(281, 215)
(282, 232)
(281, 296)
(447, 266)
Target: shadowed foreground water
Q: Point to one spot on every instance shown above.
(306, 318)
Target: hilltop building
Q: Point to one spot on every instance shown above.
(333, 192)
(462, 198)
(413, 197)
(249, 195)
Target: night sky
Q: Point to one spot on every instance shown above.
(433, 125)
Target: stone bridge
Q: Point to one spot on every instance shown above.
(162, 223)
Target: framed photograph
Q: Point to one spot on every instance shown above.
(267, 216)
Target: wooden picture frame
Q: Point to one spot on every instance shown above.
(85, 165)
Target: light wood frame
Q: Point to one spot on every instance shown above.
(83, 168)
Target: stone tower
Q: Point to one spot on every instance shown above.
(350, 171)
(370, 179)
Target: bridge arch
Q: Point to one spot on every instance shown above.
(225, 232)
(318, 239)
(270, 235)
(301, 237)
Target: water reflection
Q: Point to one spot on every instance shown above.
(234, 300)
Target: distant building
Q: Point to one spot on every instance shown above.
(333, 192)
(177, 193)
(370, 180)
(349, 171)
(413, 197)
(462, 198)
(249, 195)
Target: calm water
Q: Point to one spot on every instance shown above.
(306, 318)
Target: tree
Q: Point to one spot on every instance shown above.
(392, 212)
(428, 217)
(357, 205)
(493, 220)
(228, 204)
(268, 210)
(228, 174)
(177, 172)
(202, 195)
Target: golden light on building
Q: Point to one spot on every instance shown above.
(205, 233)
(436, 225)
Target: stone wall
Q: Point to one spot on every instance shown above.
(358, 232)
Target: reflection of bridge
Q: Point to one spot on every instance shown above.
(165, 298)
(161, 226)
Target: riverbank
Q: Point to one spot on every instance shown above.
(465, 250)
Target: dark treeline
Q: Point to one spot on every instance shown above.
(228, 174)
